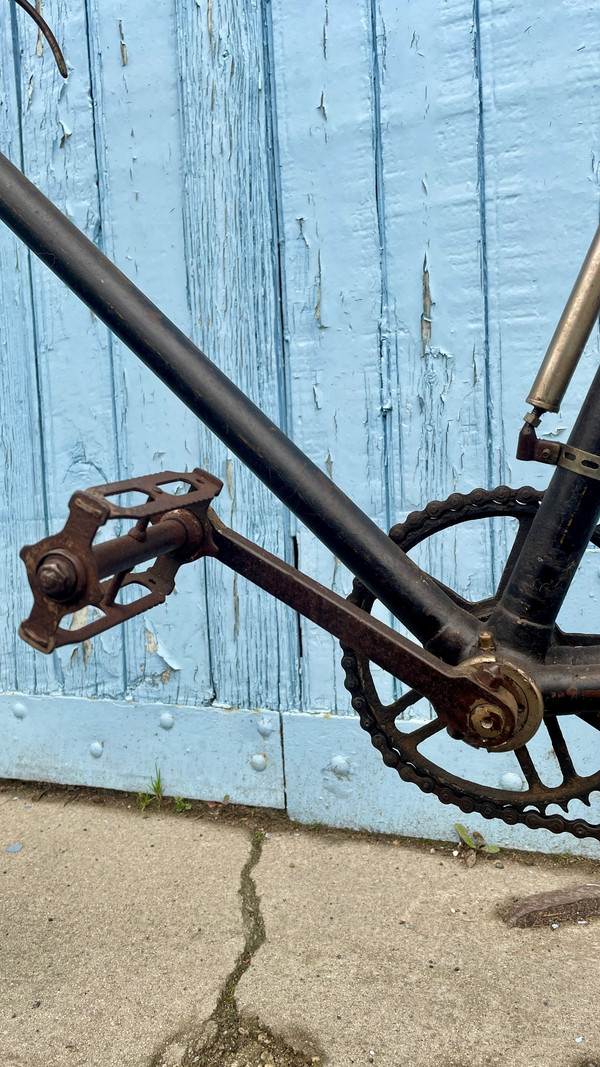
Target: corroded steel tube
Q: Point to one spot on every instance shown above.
(571, 334)
(366, 550)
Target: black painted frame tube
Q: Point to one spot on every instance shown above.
(525, 616)
(366, 550)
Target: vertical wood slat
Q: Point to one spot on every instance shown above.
(75, 383)
(332, 269)
(21, 517)
(140, 165)
(542, 206)
(542, 167)
(430, 131)
(231, 255)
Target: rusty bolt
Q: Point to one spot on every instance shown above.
(486, 641)
(545, 453)
(57, 577)
(487, 721)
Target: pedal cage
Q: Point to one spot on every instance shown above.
(71, 557)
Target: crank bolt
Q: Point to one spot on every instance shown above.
(57, 577)
(487, 721)
(486, 641)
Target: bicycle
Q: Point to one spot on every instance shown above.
(494, 670)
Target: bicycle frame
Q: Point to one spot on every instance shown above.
(495, 670)
(525, 616)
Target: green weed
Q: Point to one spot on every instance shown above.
(474, 840)
(155, 793)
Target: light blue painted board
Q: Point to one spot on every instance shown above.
(202, 753)
(345, 155)
(334, 776)
(138, 145)
(322, 56)
(541, 116)
(231, 260)
(70, 346)
(21, 521)
(430, 127)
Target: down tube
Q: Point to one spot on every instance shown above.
(365, 549)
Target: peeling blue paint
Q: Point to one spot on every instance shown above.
(372, 234)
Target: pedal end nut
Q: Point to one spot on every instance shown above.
(57, 576)
(487, 721)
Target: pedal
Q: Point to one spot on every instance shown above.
(68, 573)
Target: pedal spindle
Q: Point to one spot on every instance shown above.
(68, 573)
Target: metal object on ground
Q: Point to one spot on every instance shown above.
(490, 668)
(66, 571)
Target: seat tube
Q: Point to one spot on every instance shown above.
(525, 616)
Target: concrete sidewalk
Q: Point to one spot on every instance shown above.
(231, 938)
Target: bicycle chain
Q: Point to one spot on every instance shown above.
(439, 515)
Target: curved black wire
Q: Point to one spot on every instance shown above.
(51, 39)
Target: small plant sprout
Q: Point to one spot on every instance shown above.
(180, 805)
(154, 794)
(475, 840)
(156, 785)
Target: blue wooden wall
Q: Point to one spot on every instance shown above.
(369, 215)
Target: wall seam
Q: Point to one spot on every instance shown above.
(280, 325)
(99, 240)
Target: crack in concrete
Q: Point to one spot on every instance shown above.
(226, 1038)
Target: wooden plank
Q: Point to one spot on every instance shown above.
(205, 754)
(541, 191)
(70, 349)
(231, 259)
(22, 498)
(332, 280)
(429, 133)
(334, 776)
(541, 179)
(140, 181)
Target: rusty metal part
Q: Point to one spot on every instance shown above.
(524, 617)
(532, 447)
(422, 606)
(486, 641)
(487, 722)
(59, 574)
(452, 690)
(576, 459)
(495, 730)
(66, 571)
(47, 32)
(560, 684)
(571, 334)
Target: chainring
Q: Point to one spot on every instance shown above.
(401, 749)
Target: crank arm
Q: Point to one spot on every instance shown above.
(66, 570)
(68, 573)
(453, 691)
